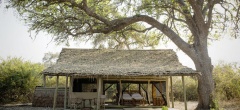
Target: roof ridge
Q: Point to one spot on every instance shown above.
(118, 49)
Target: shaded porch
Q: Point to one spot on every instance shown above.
(122, 84)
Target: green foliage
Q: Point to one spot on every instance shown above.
(227, 81)
(18, 79)
(50, 58)
(51, 81)
(214, 104)
(127, 39)
(227, 85)
(164, 108)
(67, 19)
(190, 85)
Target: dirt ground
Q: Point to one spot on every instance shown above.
(223, 105)
(178, 105)
(191, 105)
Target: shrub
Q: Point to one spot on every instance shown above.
(227, 84)
(164, 108)
(18, 79)
(190, 85)
(227, 81)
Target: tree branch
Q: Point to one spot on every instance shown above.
(200, 23)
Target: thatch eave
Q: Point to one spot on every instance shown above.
(109, 62)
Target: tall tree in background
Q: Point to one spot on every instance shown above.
(187, 23)
(50, 59)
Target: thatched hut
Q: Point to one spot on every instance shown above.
(90, 70)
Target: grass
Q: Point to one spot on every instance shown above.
(233, 104)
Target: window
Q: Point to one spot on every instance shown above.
(84, 85)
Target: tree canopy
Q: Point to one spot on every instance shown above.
(122, 21)
(50, 59)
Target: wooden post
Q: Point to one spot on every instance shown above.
(139, 88)
(55, 94)
(160, 86)
(69, 89)
(103, 88)
(99, 92)
(161, 89)
(148, 90)
(44, 80)
(120, 94)
(184, 93)
(65, 95)
(154, 94)
(171, 92)
(167, 92)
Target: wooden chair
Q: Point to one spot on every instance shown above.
(127, 98)
(138, 98)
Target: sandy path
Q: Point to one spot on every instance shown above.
(178, 105)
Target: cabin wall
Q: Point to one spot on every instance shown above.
(83, 95)
(89, 91)
(43, 97)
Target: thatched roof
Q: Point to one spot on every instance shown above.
(91, 62)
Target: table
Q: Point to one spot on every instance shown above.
(90, 104)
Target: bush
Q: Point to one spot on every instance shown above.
(164, 108)
(227, 81)
(18, 79)
(190, 85)
(227, 84)
(51, 81)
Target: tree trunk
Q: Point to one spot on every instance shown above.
(205, 80)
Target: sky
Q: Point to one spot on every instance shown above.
(15, 41)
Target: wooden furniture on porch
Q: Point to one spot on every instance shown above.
(89, 106)
(76, 103)
(126, 98)
(138, 98)
(158, 101)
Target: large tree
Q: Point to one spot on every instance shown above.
(187, 23)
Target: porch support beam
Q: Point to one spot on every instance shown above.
(120, 92)
(184, 93)
(44, 80)
(148, 90)
(55, 94)
(167, 92)
(65, 95)
(70, 89)
(139, 88)
(171, 92)
(99, 92)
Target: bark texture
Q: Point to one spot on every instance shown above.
(205, 81)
